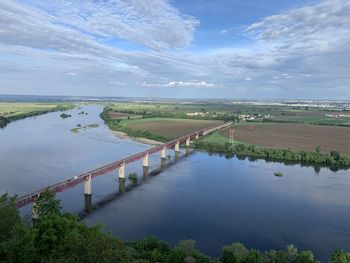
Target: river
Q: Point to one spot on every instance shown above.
(209, 198)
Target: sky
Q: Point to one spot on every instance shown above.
(239, 49)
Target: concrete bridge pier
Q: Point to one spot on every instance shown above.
(88, 194)
(197, 136)
(35, 212)
(145, 166)
(177, 151)
(188, 141)
(122, 178)
(163, 157)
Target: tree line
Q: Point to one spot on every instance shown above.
(62, 237)
(158, 114)
(333, 159)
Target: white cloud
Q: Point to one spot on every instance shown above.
(306, 47)
(117, 83)
(313, 28)
(223, 32)
(186, 84)
(155, 24)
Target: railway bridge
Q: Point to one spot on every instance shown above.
(86, 177)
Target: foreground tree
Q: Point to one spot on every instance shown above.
(339, 256)
(61, 237)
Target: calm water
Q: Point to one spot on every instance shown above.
(211, 199)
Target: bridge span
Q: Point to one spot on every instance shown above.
(87, 177)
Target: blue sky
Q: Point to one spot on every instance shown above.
(158, 48)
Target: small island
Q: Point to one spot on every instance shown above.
(64, 115)
(80, 127)
(279, 174)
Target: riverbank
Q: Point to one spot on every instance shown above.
(10, 112)
(334, 160)
(123, 135)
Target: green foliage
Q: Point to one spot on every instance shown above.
(63, 238)
(9, 217)
(339, 256)
(16, 239)
(237, 253)
(46, 204)
(279, 174)
(161, 113)
(234, 253)
(318, 149)
(333, 160)
(133, 177)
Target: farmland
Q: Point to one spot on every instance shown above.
(318, 114)
(122, 116)
(11, 111)
(297, 137)
(277, 126)
(170, 128)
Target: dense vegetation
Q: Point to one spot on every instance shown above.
(174, 114)
(333, 159)
(4, 120)
(62, 237)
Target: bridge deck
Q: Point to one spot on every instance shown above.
(71, 182)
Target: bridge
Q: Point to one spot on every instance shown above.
(87, 177)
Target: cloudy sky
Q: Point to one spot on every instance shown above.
(178, 48)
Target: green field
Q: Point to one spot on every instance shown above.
(11, 111)
(233, 111)
(166, 128)
(216, 138)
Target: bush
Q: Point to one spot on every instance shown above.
(334, 160)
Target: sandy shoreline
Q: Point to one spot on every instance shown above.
(123, 135)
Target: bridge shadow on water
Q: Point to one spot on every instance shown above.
(112, 197)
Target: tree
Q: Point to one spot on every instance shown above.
(187, 247)
(318, 149)
(9, 217)
(16, 239)
(305, 257)
(234, 253)
(339, 256)
(335, 155)
(46, 204)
